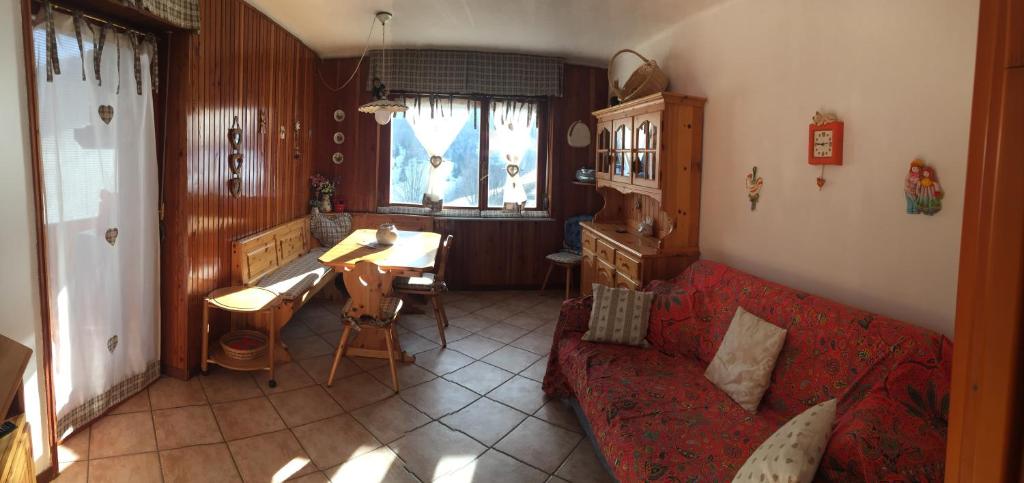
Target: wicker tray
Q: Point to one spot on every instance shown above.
(244, 345)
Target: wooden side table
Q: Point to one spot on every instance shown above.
(245, 300)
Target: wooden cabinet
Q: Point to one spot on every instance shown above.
(16, 462)
(648, 158)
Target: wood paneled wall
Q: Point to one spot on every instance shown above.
(240, 64)
(487, 253)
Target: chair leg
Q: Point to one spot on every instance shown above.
(389, 336)
(544, 286)
(568, 281)
(441, 321)
(339, 353)
(440, 307)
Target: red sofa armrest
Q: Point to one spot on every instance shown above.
(573, 318)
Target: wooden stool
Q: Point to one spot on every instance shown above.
(245, 300)
(566, 260)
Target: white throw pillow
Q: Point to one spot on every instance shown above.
(743, 365)
(619, 316)
(793, 452)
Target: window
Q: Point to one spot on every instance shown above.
(477, 141)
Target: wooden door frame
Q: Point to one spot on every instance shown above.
(985, 423)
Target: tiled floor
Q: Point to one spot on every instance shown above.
(473, 412)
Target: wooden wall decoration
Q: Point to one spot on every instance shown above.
(240, 64)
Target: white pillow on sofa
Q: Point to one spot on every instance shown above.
(792, 454)
(619, 316)
(743, 365)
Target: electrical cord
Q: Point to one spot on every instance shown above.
(366, 49)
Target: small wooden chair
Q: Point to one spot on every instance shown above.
(431, 285)
(570, 256)
(367, 306)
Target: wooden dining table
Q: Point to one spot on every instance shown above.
(411, 255)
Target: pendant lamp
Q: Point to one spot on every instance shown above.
(383, 108)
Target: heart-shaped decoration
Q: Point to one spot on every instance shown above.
(106, 113)
(235, 162)
(435, 161)
(513, 169)
(112, 344)
(111, 236)
(235, 187)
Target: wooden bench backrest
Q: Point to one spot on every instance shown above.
(255, 256)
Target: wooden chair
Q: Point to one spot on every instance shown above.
(431, 285)
(367, 306)
(570, 256)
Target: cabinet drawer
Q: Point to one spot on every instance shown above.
(622, 281)
(605, 252)
(627, 266)
(588, 241)
(604, 273)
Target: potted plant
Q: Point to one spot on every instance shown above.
(323, 189)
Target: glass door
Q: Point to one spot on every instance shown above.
(622, 150)
(646, 166)
(603, 161)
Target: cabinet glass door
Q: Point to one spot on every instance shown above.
(622, 149)
(646, 169)
(603, 159)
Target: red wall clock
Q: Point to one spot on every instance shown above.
(825, 143)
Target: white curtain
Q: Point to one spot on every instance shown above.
(436, 136)
(510, 139)
(102, 246)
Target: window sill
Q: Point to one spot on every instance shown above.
(467, 213)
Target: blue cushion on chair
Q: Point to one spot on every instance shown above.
(573, 237)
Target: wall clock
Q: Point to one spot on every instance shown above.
(825, 144)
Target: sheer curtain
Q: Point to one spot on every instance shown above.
(436, 135)
(99, 171)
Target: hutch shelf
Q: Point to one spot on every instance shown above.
(648, 163)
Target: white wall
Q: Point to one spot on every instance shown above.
(900, 74)
(19, 289)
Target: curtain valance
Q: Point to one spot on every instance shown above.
(456, 72)
(180, 13)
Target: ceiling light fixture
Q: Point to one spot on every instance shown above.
(382, 108)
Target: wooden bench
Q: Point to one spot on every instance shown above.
(283, 259)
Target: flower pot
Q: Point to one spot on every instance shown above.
(325, 203)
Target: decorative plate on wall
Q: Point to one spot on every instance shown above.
(339, 137)
(339, 115)
(337, 158)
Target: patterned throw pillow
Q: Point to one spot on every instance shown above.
(330, 230)
(619, 316)
(792, 454)
(743, 365)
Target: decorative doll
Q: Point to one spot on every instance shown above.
(929, 192)
(912, 184)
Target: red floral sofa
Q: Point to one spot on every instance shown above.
(655, 417)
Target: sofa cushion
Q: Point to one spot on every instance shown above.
(329, 230)
(298, 276)
(793, 452)
(619, 316)
(742, 367)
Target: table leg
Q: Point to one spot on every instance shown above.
(206, 336)
(371, 341)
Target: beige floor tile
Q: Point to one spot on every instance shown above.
(539, 444)
(359, 390)
(388, 420)
(472, 303)
(409, 375)
(324, 323)
(187, 426)
(307, 347)
(336, 440)
(555, 479)
(534, 342)
(168, 392)
(452, 333)
(242, 419)
(583, 465)
(485, 420)
(442, 361)
(438, 397)
(525, 321)
(289, 376)
(472, 322)
(296, 329)
(476, 346)
(498, 312)
(199, 464)
(452, 311)
(332, 338)
(511, 359)
(559, 413)
(434, 450)
(547, 330)
(415, 322)
(320, 367)
(270, 457)
(305, 405)
(521, 393)
(495, 467)
(75, 448)
(222, 385)
(318, 477)
(503, 332)
(73, 472)
(413, 343)
(136, 468)
(369, 363)
(480, 377)
(134, 404)
(121, 434)
(536, 370)
(379, 466)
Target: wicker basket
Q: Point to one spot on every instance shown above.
(244, 345)
(646, 80)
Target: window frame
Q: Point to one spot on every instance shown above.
(543, 201)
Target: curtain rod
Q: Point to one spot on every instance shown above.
(95, 19)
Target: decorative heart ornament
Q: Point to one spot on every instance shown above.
(106, 113)
(112, 344)
(435, 161)
(111, 236)
(512, 169)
